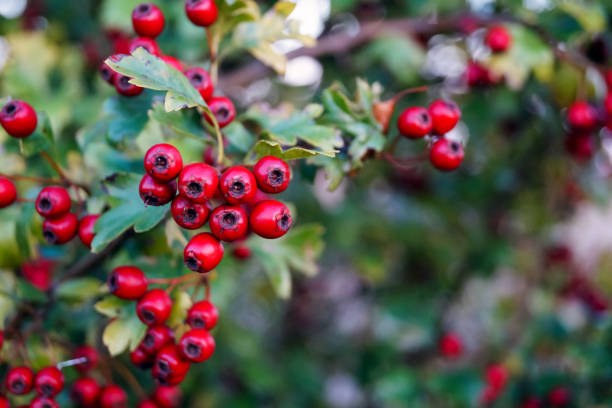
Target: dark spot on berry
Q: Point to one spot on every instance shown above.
(161, 162)
(425, 117)
(47, 404)
(190, 215)
(284, 223)
(194, 189)
(148, 316)
(149, 341)
(222, 113)
(198, 323)
(112, 283)
(49, 236)
(237, 188)
(46, 389)
(18, 386)
(10, 108)
(150, 199)
(144, 8)
(106, 73)
(455, 147)
(45, 204)
(163, 366)
(191, 263)
(229, 220)
(193, 2)
(276, 177)
(162, 381)
(193, 350)
(196, 79)
(124, 82)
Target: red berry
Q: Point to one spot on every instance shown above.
(197, 345)
(38, 272)
(147, 404)
(608, 104)
(86, 229)
(580, 146)
(91, 354)
(270, 219)
(107, 73)
(198, 182)
(53, 202)
(147, 43)
(188, 214)
(242, 252)
(141, 359)
(446, 155)
(85, 392)
(202, 13)
(18, 119)
(489, 395)
(200, 80)
(148, 20)
(112, 396)
(43, 402)
(531, 402)
(581, 116)
(4, 403)
(238, 185)
(156, 337)
(223, 110)
(498, 38)
(202, 315)
(124, 87)
(173, 62)
(496, 376)
(154, 307)
(445, 115)
(203, 253)
(167, 397)
(19, 380)
(451, 345)
(559, 397)
(155, 192)
(1, 338)
(608, 78)
(163, 162)
(228, 222)
(272, 174)
(170, 367)
(127, 282)
(49, 381)
(8, 192)
(58, 231)
(415, 122)
(257, 198)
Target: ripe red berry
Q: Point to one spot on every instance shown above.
(223, 110)
(608, 104)
(127, 282)
(445, 115)
(197, 345)
(559, 397)
(43, 402)
(141, 359)
(167, 397)
(57, 231)
(170, 367)
(238, 185)
(91, 354)
(496, 376)
(173, 62)
(53, 202)
(270, 219)
(580, 146)
(4, 403)
(200, 80)
(476, 75)
(107, 73)
(86, 229)
(112, 396)
(124, 87)
(8, 192)
(446, 155)
(163, 162)
(272, 174)
(147, 404)
(581, 116)
(498, 38)
(147, 43)
(531, 402)
(228, 222)
(148, 20)
(203, 253)
(415, 122)
(155, 192)
(19, 380)
(156, 337)
(242, 252)
(198, 182)
(189, 215)
(49, 381)
(202, 13)
(154, 307)
(451, 345)
(18, 119)
(202, 315)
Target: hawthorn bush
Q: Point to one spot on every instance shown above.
(329, 203)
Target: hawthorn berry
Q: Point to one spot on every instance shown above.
(147, 43)
(4, 403)
(86, 229)
(257, 198)
(200, 80)
(170, 367)
(157, 336)
(202, 13)
(203, 253)
(476, 75)
(8, 192)
(228, 222)
(580, 146)
(445, 115)
(167, 397)
(531, 402)
(607, 103)
(154, 307)
(107, 73)
(238, 185)
(18, 119)
(496, 376)
(38, 272)
(124, 87)
(173, 62)
(57, 231)
(85, 392)
(242, 252)
(270, 219)
(88, 352)
(155, 192)
(43, 402)
(498, 38)
(49, 381)
(559, 397)
(163, 162)
(222, 109)
(202, 315)
(53, 202)
(450, 345)
(581, 116)
(147, 404)
(197, 345)
(148, 20)
(189, 215)
(19, 380)
(127, 282)
(112, 396)
(198, 182)
(272, 174)
(446, 155)
(415, 122)
(141, 359)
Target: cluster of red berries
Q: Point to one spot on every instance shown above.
(498, 39)
(441, 117)
(583, 120)
(237, 190)
(47, 383)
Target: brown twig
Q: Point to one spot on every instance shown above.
(64, 179)
(129, 378)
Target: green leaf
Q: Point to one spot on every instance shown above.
(278, 272)
(23, 229)
(125, 117)
(238, 136)
(27, 291)
(266, 148)
(7, 305)
(41, 140)
(185, 122)
(232, 13)
(124, 333)
(333, 168)
(79, 289)
(402, 56)
(181, 302)
(112, 306)
(591, 16)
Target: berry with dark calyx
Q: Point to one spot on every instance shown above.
(8, 192)
(200, 80)
(173, 62)
(18, 119)
(167, 397)
(415, 122)
(155, 192)
(107, 73)
(43, 402)
(202, 13)
(91, 354)
(222, 109)
(498, 38)
(49, 381)
(202, 315)
(203, 253)
(141, 359)
(58, 231)
(128, 282)
(19, 380)
(112, 396)
(446, 155)
(53, 202)
(238, 185)
(124, 87)
(189, 215)
(156, 337)
(85, 392)
(270, 219)
(450, 345)
(148, 20)
(197, 345)
(86, 229)
(272, 174)
(581, 116)
(198, 182)
(163, 162)
(445, 115)
(170, 367)
(147, 404)
(147, 43)
(228, 222)
(154, 307)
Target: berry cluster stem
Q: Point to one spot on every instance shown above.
(60, 172)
